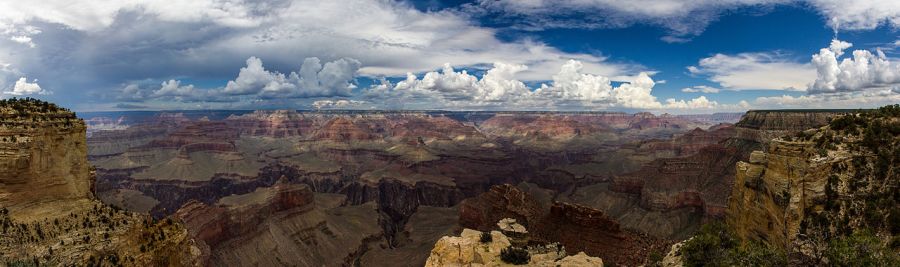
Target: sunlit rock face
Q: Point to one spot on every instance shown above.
(773, 189)
(274, 123)
(48, 212)
(762, 126)
(468, 250)
(577, 227)
(43, 158)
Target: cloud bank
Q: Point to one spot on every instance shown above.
(755, 71)
(858, 79)
(570, 88)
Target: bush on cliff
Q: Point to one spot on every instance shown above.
(715, 245)
(515, 256)
(486, 237)
(862, 248)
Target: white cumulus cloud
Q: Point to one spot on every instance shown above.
(570, 88)
(337, 104)
(701, 89)
(863, 70)
(859, 14)
(755, 71)
(312, 80)
(23, 87)
(859, 79)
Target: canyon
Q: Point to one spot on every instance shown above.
(383, 188)
(405, 165)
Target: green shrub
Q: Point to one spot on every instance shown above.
(486, 237)
(862, 248)
(715, 245)
(515, 256)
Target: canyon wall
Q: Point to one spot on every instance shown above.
(43, 160)
(286, 224)
(811, 188)
(773, 189)
(764, 125)
(776, 183)
(48, 214)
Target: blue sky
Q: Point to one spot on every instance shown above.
(656, 55)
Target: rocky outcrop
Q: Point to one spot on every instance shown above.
(701, 180)
(501, 201)
(43, 158)
(346, 129)
(107, 143)
(237, 215)
(541, 127)
(279, 225)
(806, 190)
(573, 226)
(429, 127)
(468, 250)
(772, 190)
(48, 215)
(764, 125)
(581, 228)
(690, 142)
(271, 123)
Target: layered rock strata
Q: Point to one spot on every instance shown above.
(43, 159)
(277, 226)
(573, 226)
(468, 250)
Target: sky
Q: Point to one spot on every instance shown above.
(662, 56)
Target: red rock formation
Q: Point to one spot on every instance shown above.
(700, 180)
(577, 227)
(764, 125)
(501, 201)
(236, 215)
(274, 123)
(218, 147)
(345, 129)
(543, 126)
(581, 228)
(440, 127)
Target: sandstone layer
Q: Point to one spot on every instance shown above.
(279, 226)
(48, 215)
(468, 250)
(43, 160)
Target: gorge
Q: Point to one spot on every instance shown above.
(384, 188)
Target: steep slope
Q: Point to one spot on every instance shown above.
(43, 159)
(670, 196)
(577, 227)
(823, 185)
(280, 225)
(48, 215)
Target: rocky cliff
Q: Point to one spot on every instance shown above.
(43, 158)
(48, 215)
(285, 224)
(811, 188)
(271, 123)
(764, 125)
(468, 249)
(574, 226)
(773, 189)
